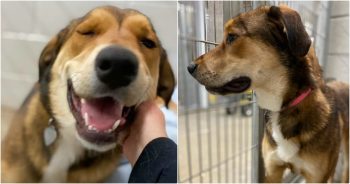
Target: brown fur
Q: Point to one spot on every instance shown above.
(24, 155)
(272, 48)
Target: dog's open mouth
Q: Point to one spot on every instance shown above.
(98, 119)
(237, 85)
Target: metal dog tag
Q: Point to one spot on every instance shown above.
(50, 134)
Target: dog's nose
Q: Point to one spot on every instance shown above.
(116, 66)
(192, 67)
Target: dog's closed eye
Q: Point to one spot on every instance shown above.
(89, 33)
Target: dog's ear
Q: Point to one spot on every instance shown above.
(166, 80)
(299, 41)
(50, 52)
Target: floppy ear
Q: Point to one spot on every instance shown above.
(299, 41)
(50, 52)
(166, 80)
(46, 60)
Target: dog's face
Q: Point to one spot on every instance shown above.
(98, 68)
(257, 52)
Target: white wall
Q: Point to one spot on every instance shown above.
(42, 20)
(338, 49)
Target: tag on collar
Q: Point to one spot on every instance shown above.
(50, 133)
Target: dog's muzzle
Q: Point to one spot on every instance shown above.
(98, 120)
(192, 68)
(100, 117)
(116, 66)
(236, 85)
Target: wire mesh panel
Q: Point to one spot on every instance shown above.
(217, 143)
(220, 136)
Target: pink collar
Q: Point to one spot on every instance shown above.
(298, 99)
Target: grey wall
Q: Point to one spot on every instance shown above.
(338, 46)
(27, 26)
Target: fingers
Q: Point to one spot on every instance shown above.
(149, 111)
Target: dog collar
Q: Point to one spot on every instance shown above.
(298, 99)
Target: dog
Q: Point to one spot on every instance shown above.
(92, 75)
(268, 50)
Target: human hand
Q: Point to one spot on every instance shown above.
(148, 125)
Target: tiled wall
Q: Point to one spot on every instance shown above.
(27, 26)
(337, 65)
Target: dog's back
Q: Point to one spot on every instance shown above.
(341, 91)
(342, 99)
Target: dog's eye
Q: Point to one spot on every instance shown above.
(230, 38)
(148, 43)
(86, 33)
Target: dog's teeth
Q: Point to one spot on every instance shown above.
(86, 118)
(108, 131)
(116, 124)
(82, 100)
(90, 127)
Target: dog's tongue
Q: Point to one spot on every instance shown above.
(101, 113)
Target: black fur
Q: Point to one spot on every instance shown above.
(299, 41)
(165, 88)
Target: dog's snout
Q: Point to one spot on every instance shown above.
(192, 67)
(116, 66)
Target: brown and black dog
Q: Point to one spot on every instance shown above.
(269, 51)
(92, 75)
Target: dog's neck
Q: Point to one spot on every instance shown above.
(271, 101)
(276, 103)
(297, 100)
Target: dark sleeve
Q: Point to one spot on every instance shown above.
(157, 163)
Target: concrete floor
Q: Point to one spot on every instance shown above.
(219, 146)
(216, 147)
